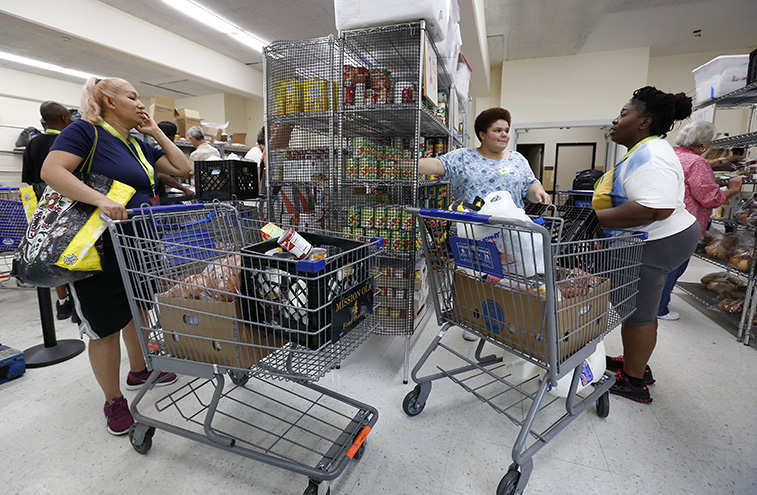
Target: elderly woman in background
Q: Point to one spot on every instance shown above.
(702, 192)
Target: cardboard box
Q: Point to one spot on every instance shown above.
(162, 108)
(213, 332)
(213, 134)
(518, 319)
(239, 138)
(186, 118)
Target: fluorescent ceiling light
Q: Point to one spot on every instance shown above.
(44, 65)
(211, 19)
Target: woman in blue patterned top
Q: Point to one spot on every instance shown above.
(490, 167)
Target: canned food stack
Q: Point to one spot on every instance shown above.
(382, 160)
(375, 86)
(314, 94)
(390, 222)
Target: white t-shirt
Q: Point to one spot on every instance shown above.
(653, 177)
(255, 154)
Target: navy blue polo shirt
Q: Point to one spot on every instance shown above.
(112, 158)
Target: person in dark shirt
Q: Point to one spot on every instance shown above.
(56, 118)
(169, 129)
(110, 110)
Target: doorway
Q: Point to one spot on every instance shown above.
(534, 153)
(571, 158)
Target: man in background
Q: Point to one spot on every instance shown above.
(203, 151)
(55, 118)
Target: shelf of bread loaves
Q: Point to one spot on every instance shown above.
(730, 250)
(720, 291)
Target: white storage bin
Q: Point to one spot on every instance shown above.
(720, 75)
(356, 14)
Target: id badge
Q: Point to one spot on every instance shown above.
(505, 171)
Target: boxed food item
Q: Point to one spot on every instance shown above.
(720, 75)
(516, 318)
(213, 332)
(186, 118)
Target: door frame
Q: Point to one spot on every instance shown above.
(557, 157)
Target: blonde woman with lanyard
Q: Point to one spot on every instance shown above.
(645, 191)
(111, 108)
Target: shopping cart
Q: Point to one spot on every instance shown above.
(213, 300)
(12, 228)
(545, 301)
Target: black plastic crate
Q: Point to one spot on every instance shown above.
(226, 179)
(751, 73)
(296, 304)
(579, 223)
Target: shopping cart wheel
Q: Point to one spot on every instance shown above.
(146, 444)
(238, 377)
(509, 482)
(312, 489)
(603, 405)
(410, 405)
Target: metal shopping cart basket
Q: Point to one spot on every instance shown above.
(212, 302)
(545, 301)
(13, 226)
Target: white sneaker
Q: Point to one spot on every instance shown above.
(672, 315)
(469, 336)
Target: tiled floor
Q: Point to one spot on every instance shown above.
(699, 436)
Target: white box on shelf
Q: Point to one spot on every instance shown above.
(356, 14)
(720, 75)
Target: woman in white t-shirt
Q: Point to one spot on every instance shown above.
(645, 191)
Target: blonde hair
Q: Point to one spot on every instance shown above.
(93, 96)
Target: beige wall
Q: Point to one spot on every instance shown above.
(591, 86)
(20, 96)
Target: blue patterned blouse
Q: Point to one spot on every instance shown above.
(474, 175)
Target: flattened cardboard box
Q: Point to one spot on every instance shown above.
(213, 332)
(517, 319)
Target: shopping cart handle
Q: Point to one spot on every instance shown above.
(460, 216)
(164, 208)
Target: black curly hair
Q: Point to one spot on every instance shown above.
(664, 108)
(485, 119)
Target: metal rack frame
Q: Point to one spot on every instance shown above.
(350, 132)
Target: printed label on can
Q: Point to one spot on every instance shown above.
(295, 244)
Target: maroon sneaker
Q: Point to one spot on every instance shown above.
(135, 382)
(624, 388)
(118, 416)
